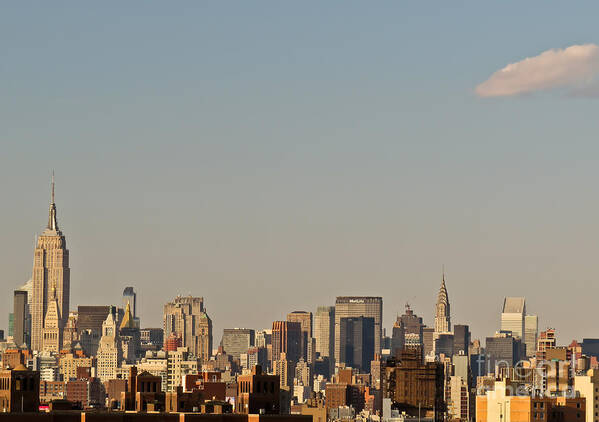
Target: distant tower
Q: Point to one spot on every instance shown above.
(51, 273)
(130, 298)
(442, 311)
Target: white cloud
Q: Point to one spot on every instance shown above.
(572, 68)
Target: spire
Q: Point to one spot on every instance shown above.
(52, 223)
(127, 318)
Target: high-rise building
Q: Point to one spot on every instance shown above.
(398, 337)
(20, 335)
(89, 326)
(237, 341)
(461, 339)
(503, 351)
(324, 330)
(109, 350)
(588, 386)
(442, 310)
(263, 338)
(130, 297)
(531, 327)
(286, 338)
(187, 317)
(357, 306)
(129, 336)
(512, 316)
(356, 338)
(547, 341)
(305, 320)
(51, 273)
(415, 387)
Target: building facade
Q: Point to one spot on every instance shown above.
(357, 306)
(50, 273)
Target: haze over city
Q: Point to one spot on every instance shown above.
(270, 157)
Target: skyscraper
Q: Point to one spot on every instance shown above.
(237, 341)
(130, 297)
(531, 328)
(357, 342)
(51, 273)
(20, 318)
(286, 338)
(109, 350)
(442, 310)
(512, 316)
(357, 306)
(461, 336)
(324, 330)
(186, 317)
(305, 320)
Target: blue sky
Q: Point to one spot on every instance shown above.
(238, 150)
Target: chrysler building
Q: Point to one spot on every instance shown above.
(442, 312)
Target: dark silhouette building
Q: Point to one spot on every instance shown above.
(258, 393)
(356, 342)
(413, 386)
(286, 338)
(19, 390)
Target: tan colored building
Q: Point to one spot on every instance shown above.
(459, 399)
(51, 281)
(109, 351)
(501, 405)
(187, 318)
(180, 363)
(588, 387)
(69, 362)
(357, 306)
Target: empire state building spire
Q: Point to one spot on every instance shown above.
(52, 223)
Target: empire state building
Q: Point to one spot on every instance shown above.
(51, 286)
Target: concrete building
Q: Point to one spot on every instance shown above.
(89, 326)
(324, 331)
(109, 351)
(187, 318)
(19, 390)
(356, 341)
(512, 316)
(258, 393)
(588, 387)
(415, 388)
(501, 404)
(21, 318)
(286, 338)
(459, 399)
(180, 363)
(461, 338)
(51, 273)
(306, 325)
(531, 328)
(359, 306)
(151, 338)
(236, 341)
(503, 350)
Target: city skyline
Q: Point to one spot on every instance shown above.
(347, 151)
(53, 230)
